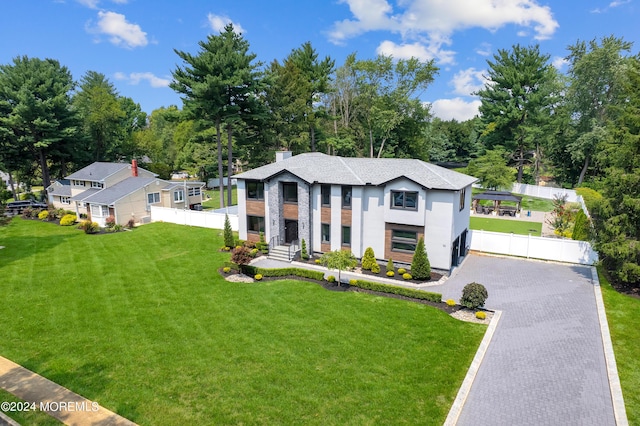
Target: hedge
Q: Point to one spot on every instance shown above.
(283, 272)
(401, 291)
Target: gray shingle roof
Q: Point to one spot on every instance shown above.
(121, 189)
(99, 171)
(85, 194)
(61, 187)
(322, 168)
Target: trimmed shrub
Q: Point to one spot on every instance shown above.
(401, 291)
(254, 252)
(110, 221)
(473, 295)
(390, 273)
(317, 261)
(481, 315)
(241, 255)
(303, 250)
(68, 220)
(257, 277)
(369, 259)
(283, 272)
(89, 227)
(331, 279)
(581, 227)
(420, 266)
(390, 265)
(117, 228)
(402, 271)
(225, 248)
(407, 276)
(375, 268)
(43, 215)
(27, 212)
(226, 269)
(451, 302)
(353, 282)
(228, 232)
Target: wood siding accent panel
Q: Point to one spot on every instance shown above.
(255, 208)
(254, 238)
(345, 217)
(325, 247)
(398, 256)
(325, 214)
(290, 211)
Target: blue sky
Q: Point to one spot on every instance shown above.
(132, 42)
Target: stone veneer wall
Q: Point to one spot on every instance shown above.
(276, 213)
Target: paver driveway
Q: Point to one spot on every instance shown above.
(545, 364)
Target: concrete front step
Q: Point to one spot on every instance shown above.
(280, 253)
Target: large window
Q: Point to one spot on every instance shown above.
(346, 235)
(407, 200)
(463, 197)
(326, 233)
(255, 224)
(255, 190)
(326, 195)
(99, 211)
(346, 196)
(65, 200)
(97, 185)
(290, 192)
(153, 198)
(194, 192)
(402, 240)
(178, 196)
(78, 183)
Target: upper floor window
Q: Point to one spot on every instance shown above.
(325, 191)
(407, 200)
(463, 197)
(97, 185)
(78, 183)
(290, 192)
(346, 196)
(194, 191)
(255, 190)
(65, 200)
(325, 233)
(178, 196)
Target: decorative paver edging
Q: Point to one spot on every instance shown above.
(463, 392)
(619, 410)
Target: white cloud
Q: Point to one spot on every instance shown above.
(455, 109)
(559, 62)
(218, 22)
(466, 82)
(93, 4)
(613, 4)
(617, 3)
(436, 20)
(415, 50)
(136, 77)
(484, 49)
(120, 32)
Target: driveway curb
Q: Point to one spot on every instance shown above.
(619, 410)
(465, 388)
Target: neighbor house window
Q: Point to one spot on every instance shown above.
(178, 196)
(325, 233)
(290, 192)
(403, 240)
(153, 198)
(78, 183)
(346, 235)
(346, 196)
(326, 195)
(194, 191)
(99, 211)
(255, 190)
(255, 224)
(463, 197)
(97, 185)
(407, 200)
(65, 200)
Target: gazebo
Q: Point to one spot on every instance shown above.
(497, 197)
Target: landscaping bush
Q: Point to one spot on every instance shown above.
(401, 291)
(407, 276)
(473, 295)
(131, 223)
(318, 261)
(402, 271)
(283, 272)
(590, 196)
(369, 259)
(228, 232)
(303, 250)
(331, 279)
(481, 315)
(451, 302)
(254, 252)
(27, 212)
(68, 220)
(117, 228)
(226, 269)
(375, 268)
(353, 282)
(420, 266)
(89, 227)
(581, 227)
(43, 215)
(390, 273)
(110, 222)
(257, 277)
(241, 255)
(390, 266)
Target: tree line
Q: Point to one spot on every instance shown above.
(534, 121)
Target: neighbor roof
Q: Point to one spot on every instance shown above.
(99, 171)
(497, 196)
(121, 189)
(61, 187)
(316, 167)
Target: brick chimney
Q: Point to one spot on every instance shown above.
(134, 168)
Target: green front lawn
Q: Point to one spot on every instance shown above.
(214, 201)
(505, 225)
(142, 323)
(622, 315)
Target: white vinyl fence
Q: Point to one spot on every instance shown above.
(192, 217)
(557, 249)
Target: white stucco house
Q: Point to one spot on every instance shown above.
(354, 203)
(122, 190)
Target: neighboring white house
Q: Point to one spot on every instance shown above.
(353, 203)
(122, 190)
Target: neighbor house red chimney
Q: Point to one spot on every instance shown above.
(134, 168)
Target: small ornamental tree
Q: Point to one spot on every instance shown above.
(241, 255)
(390, 266)
(303, 250)
(473, 295)
(228, 233)
(420, 266)
(369, 259)
(581, 227)
(339, 259)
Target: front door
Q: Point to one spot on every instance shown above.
(454, 252)
(290, 231)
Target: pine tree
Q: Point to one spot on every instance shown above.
(390, 266)
(228, 233)
(420, 266)
(303, 251)
(368, 259)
